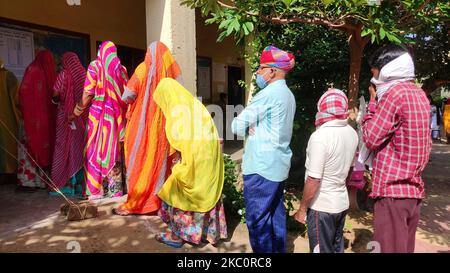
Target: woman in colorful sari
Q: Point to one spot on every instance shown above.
(70, 138)
(105, 81)
(192, 206)
(146, 145)
(9, 120)
(38, 134)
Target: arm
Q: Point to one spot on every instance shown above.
(251, 115)
(312, 186)
(89, 91)
(131, 91)
(315, 165)
(380, 121)
(58, 87)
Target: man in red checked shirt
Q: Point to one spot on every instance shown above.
(397, 128)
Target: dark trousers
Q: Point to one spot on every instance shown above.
(265, 214)
(395, 224)
(326, 231)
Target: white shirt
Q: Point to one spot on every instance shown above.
(329, 156)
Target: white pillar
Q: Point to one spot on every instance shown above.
(174, 25)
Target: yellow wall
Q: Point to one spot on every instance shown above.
(115, 20)
(225, 52)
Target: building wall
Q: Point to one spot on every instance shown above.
(115, 20)
(226, 52)
(174, 25)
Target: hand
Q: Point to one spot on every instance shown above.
(251, 131)
(372, 91)
(72, 118)
(300, 216)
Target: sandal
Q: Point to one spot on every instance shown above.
(164, 238)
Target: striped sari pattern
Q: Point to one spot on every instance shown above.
(69, 144)
(147, 150)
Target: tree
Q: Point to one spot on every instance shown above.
(361, 22)
(432, 53)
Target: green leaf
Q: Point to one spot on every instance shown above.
(393, 38)
(373, 38)
(229, 30)
(382, 33)
(287, 2)
(249, 26)
(224, 24)
(235, 25)
(327, 2)
(210, 21)
(365, 32)
(246, 32)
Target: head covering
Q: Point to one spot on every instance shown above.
(331, 106)
(44, 59)
(277, 58)
(39, 114)
(398, 70)
(193, 185)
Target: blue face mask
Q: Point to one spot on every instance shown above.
(260, 81)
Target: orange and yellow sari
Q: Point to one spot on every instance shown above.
(147, 151)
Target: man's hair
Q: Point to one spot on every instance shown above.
(385, 55)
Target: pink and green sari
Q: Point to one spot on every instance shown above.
(105, 80)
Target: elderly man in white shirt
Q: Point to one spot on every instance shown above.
(330, 153)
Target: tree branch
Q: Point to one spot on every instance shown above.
(297, 19)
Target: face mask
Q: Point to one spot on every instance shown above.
(260, 81)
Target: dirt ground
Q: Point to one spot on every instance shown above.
(30, 222)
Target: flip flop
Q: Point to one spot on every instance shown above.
(162, 238)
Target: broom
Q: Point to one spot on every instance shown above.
(73, 212)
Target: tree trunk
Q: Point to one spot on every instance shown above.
(356, 47)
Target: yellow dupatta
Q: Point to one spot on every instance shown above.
(196, 182)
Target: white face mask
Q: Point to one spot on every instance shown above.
(398, 70)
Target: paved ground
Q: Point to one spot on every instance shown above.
(30, 222)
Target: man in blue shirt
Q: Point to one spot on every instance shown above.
(267, 124)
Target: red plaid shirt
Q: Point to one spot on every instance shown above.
(398, 129)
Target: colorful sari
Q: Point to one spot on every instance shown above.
(192, 205)
(9, 115)
(146, 145)
(37, 109)
(70, 143)
(105, 80)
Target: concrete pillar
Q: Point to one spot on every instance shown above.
(174, 25)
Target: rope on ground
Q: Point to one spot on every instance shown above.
(49, 182)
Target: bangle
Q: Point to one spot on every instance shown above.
(54, 102)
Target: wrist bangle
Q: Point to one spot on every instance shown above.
(54, 102)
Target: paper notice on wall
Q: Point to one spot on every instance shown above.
(16, 50)
(219, 72)
(204, 84)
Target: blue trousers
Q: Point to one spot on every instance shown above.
(265, 214)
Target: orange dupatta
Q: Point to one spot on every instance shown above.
(147, 150)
